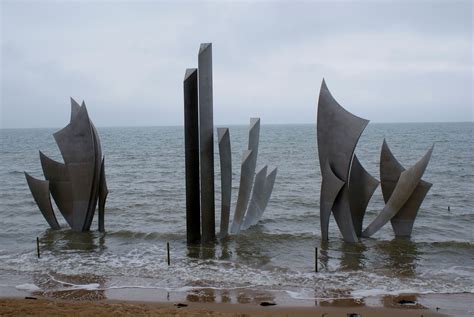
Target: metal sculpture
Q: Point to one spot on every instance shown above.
(267, 193)
(77, 184)
(206, 139)
(257, 196)
(403, 192)
(191, 143)
(254, 190)
(225, 156)
(262, 191)
(337, 132)
(347, 187)
(247, 173)
(199, 157)
(390, 170)
(361, 188)
(40, 191)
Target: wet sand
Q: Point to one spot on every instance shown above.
(60, 295)
(48, 307)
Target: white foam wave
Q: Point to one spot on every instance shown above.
(27, 287)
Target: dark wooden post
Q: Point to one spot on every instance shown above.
(316, 259)
(38, 247)
(168, 252)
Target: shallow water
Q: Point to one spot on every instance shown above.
(146, 209)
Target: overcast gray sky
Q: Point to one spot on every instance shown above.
(400, 61)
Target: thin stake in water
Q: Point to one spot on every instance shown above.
(38, 247)
(168, 251)
(316, 259)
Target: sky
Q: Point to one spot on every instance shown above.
(386, 61)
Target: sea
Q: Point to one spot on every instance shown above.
(146, 209)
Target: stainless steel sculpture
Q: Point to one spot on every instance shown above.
(191, 143)
(247, 174)
(206, 139)
(103, 193)
(40, 190)
(256, 198)
(267, 193)
(403, 192)
(199, 149)
(390, 170)
(225, 156)
(337, 132)
(347, 187)
(254, 190)
(79, 183)
(198, 108)
(361, 188)
(262, 190)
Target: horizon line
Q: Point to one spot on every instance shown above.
(236, 124)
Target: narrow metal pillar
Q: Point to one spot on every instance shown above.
(191, 141)
(103, 192)
(206, 145)
(225, 157)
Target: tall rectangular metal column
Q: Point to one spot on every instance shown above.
(206, 133)
(191, 143)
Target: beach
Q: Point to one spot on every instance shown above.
(41, 307)
(211, 302)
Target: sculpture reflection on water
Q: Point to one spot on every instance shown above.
(347, 187)
(78, 184)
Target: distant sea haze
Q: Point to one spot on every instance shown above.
(146, 209)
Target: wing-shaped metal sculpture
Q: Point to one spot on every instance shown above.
(225, 156)
(76, 143)
(390, 170)
(40, 190)
(337, 133)
(407, 182)
(74, 108)
(246, 172)
(267, 193)
(347, 187)
(247, 175)
(402, 222)
(60, 186)
(256, 199)
(361, 188)
(330, 188)
(97, 174)
(77, 183)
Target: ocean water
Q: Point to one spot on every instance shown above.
(146, 209)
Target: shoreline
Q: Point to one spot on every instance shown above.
(220, 302)
(42, 307)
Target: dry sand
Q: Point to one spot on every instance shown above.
(45, 307)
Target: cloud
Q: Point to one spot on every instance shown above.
(385, 61)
